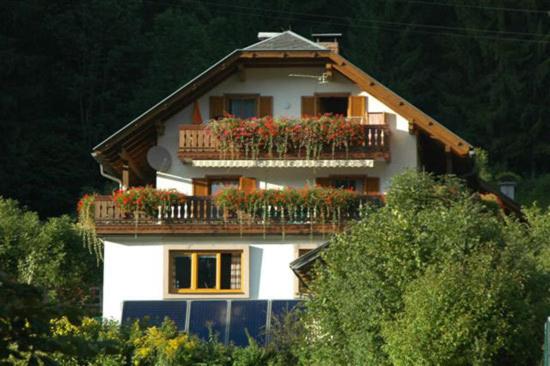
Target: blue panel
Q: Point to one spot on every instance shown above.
(155, 311)
(208, 314)
(248, 316)
(281, 307)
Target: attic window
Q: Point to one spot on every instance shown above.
(243, 106)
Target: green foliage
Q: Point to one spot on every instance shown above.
(25, 338)
(434, 277)
(482, 166)
(535, 190)
(46, 254)
(93, 342)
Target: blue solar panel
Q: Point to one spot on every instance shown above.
(281, 307)
(208, 314)
(248, 315)
(155, 311)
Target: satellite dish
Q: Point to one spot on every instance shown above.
(159, 158)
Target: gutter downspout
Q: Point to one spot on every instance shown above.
(110, 177)
(104, 174)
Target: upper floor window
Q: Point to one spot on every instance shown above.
(243, 106)
(208, 271)
(337, 105)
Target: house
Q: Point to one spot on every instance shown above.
(192, 249)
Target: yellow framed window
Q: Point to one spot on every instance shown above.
(206, 271)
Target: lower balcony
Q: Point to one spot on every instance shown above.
(200, 215)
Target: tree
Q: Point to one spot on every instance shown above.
(47, 254)
(434, 277)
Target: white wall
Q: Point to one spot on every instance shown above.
(287, 92)
(131, 271)
(134, 268)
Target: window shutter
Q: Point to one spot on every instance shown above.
(200, 187)
(217, 107)
(247, 184)
(266, 106)
(308, 106)
(372, 185)
(357, 106)
(323, 182)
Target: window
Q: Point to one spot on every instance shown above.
(333, 105)
(205, 271)
(353, 183)
(243, 106)
(217, 184)
(357, 183)
(348, 183)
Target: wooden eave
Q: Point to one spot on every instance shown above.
(420, 119)
(139, 135)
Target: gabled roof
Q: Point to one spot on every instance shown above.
(287, 48)
(286, 41)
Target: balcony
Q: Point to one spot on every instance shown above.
(200, 215)
(197, 143)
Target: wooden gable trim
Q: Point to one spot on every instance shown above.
(401, 106)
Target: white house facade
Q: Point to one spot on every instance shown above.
(191, 250)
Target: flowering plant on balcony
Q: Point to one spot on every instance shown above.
(310, 136)
(287, 205)
(86, 225)
(145, 199)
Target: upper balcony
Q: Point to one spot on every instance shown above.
(334, 139)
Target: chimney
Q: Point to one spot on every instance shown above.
(508, 188)
(328, 40)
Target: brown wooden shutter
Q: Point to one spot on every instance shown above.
(200, 187)
(323, 182)
(308, 106)
(247, 184)
(266, 106)
(357, 106)
(372, 185)
(217, 107)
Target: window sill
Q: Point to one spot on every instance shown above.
(207, 292)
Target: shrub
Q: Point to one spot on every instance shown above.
(433, 277)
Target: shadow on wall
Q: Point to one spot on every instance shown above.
(256, 255)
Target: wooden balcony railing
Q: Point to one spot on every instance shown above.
(195, 142)
(200, 215)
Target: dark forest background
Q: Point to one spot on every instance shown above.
(73, 72)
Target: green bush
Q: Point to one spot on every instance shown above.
(434, 277)
(535, 190)
(93, 342)
(47, 254)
